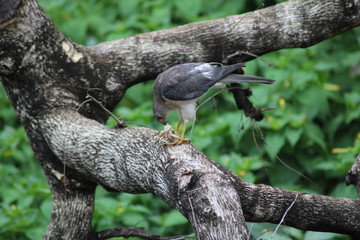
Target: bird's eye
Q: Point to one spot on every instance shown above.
(159, 118)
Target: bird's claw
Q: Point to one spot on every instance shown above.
(172, 138)
(168, 133)
(178, 142)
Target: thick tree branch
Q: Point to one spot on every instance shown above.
(310, 211)
(136, 160)
(114, 66)
(353, 176)
(296, 23)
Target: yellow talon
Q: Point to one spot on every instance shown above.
(178, 142)
(178, 127)
(177, 139)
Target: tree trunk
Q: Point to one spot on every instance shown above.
(47, 78)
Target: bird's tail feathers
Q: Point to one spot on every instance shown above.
(238, 78)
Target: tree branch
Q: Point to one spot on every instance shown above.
(136, 160)
(310, 212)
(292, 24)
(353, 176)
(127, 232)
(116, 65)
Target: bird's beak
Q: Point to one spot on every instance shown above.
(162, 121)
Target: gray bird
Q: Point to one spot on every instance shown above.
(181, 86)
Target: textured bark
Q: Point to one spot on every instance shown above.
(310, 211)
(118, 160)
(47, 77)
(353, 176)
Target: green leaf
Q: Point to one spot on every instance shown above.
(316, 136)
(4, 220)
(106, 204)
(266, 231)
(132, 219)
(46, 207)
(352, 99)
(128, 7)
(25, 201)
(284, 176)
(326, 65)
(293, 135)
(76, 29)
(296, 120)
(320, 236)
(315, 102)
(343, 191)
(174, 218)
(275, 142)
(35, 233)
(189, 9)
(249, 177)
(139, 209)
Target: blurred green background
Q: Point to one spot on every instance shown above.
(314, 129)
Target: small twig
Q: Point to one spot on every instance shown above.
(136, 232)
(239, 53)
(283, 217)
(193, 213)
(179, 237)
(136, 123)
(250, 230)
(255, 141)
(120, 122)
(82, 104)
(127, 232)
(267, 109)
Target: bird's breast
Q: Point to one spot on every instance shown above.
(186, 109)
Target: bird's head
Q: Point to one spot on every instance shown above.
(161, 119)
(160, 112)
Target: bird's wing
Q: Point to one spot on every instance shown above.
(192, 80)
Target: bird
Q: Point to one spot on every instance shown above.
(181, 86)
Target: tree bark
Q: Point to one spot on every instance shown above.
(47, 78)
(353, 176)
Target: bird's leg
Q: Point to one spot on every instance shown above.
(182, 136)
(184, 130)
(178, 126)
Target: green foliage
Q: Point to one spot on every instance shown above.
(146, 211)
(25, 197)
(313, 130)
